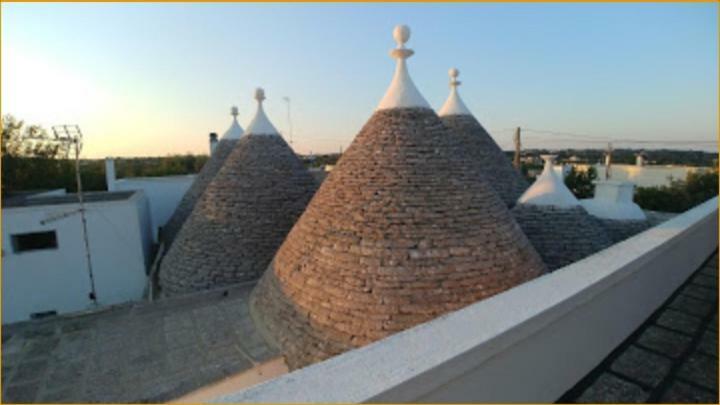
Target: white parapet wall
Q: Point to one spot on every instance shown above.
(55, 277)
(529, 344)
(164, 195)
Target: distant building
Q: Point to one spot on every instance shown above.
(45, 269)
(163, 193)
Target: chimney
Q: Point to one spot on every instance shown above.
(110, 173)
(640, 159)
(614, 200)
(613, 191)
(213, 142)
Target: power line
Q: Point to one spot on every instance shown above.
(606, 139)
(583, 138)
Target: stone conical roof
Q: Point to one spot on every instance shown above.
(242, 217)
(203, 178)
(498, 170)
(403, 229)
(555, 222)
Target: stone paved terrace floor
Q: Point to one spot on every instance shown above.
(671, 358)
(148, 352)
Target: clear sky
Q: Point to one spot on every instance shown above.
(154, 79)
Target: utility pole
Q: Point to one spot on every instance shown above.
(608, 160)
(516, 139)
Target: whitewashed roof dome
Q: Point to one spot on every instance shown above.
(235, 131)
(454, 104)
(402, 92)
(549, 189)
(260, 124)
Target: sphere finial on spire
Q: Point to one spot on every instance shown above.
(234, 111)
(402, 92)
(259, 94)
(401, 33)
(454, 73)
(454, 104)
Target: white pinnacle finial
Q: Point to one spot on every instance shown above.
(260, 124)
(454, 73)
(549, 189)
(454, 104)
(259, 94)
(235, 131)
(402, 92)
(401, 33)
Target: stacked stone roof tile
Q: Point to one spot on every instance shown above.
(500, 173)
(197, 188)
(404, 229)
(619, 230)
(561, 235)
(203, 178)
(241, 218)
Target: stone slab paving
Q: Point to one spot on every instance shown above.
(148, 352)
(671, 358)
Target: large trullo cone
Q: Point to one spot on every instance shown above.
(404, 229)
(498, 170)
(243, 215)
(207, 173)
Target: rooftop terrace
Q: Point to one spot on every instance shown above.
(671, 358)
(149, 352)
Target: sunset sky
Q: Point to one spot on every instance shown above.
(154, 79)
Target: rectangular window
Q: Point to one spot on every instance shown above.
(24, 242)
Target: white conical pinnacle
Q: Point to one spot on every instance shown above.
(402, 92)
(454, 104)
(260, 124)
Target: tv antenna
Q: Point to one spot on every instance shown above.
(72, 135)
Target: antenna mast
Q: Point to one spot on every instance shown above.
(71, 134)
(290, 128)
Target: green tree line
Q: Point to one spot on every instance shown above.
(680, 195)
(32, 159)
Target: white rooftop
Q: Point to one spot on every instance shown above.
(614, 200)
(549, 189)
(260, 124)
(402, 92)
(454, 104)
(235, 131)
